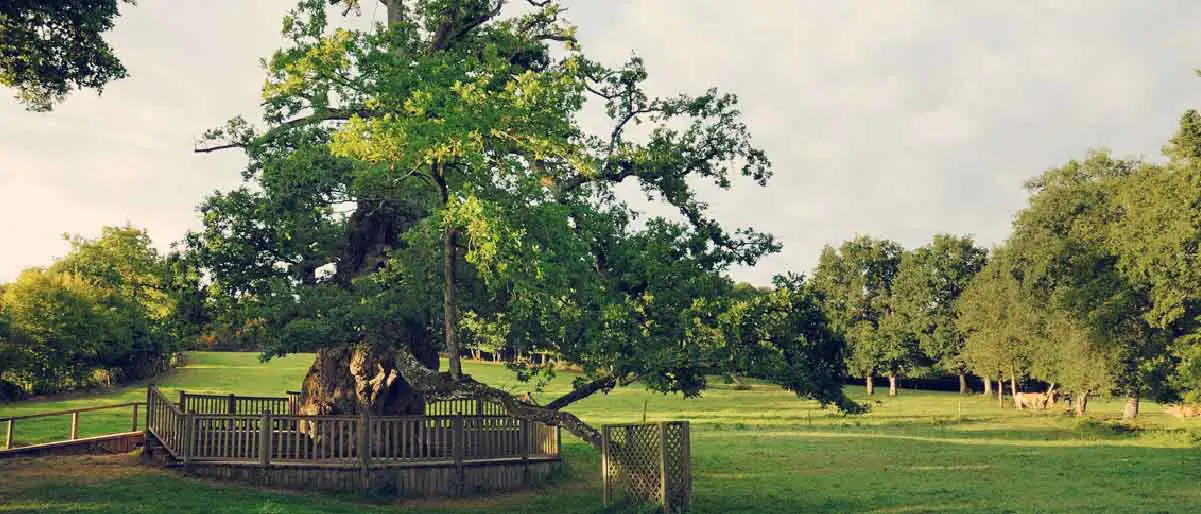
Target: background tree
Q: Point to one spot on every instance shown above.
(49, 48)
(780, 335)
(97, 315)
(855, 282)
(929, 282)
(1062, 244)
(1001, 325)
(1155, 241)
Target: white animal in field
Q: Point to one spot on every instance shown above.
(1182, 410)
(1035, 400)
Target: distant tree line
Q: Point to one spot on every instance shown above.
(1096, 291)
(110, 311)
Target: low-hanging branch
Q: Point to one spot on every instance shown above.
(436, 385)
(579, 393)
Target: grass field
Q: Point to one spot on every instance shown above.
(756, 451)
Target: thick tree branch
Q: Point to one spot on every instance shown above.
(579, 393)
(440, 386)
(453, 29)
(319, 116)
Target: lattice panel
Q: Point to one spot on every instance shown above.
(649, 462)
(679, 465)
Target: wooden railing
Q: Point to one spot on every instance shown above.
(11, 422)
(166, 421)
(342, 441)
(465, 407)
(230, 404)
(289, 405)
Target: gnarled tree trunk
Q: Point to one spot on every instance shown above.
(348, 378)
(987, 387)
(869, 384)
(892, 383)
(962, 382)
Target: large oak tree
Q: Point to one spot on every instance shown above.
(434, 169)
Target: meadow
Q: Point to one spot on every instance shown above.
(755, 451)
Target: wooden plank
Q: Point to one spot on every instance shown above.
(188, 426)
(663, 467)
(364, 433)
(37, 448)
(265, 433)
(605, 486)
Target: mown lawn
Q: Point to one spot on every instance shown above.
(756, 451)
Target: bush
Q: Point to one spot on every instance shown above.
(10, 392)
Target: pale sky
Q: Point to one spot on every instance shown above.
(897, 119)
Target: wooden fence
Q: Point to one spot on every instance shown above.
(339, 441)
(290, 405)
(230, 404)
(11, 422)
(651, 462)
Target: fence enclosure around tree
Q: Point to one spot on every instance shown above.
(478, 448)
(650, 462)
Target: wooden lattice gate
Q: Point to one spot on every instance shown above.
(650, 462)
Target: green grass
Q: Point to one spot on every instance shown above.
(754, 451)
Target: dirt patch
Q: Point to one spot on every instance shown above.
(22, 473)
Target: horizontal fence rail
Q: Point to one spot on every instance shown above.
(276, 435)
(290, 405)
(10, 423)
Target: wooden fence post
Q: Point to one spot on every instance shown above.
(133, 419)
(264, 438)
(233, 404)
(74, 426)
(606, 487)
(8, 436)
(189, 433)
(523, 431)
(364, 439)
(457, 440)
(663, 466)
(687, 460)
(149, 404)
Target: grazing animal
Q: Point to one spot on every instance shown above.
(1036, 400)
(1183, 410)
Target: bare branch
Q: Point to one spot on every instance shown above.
(210, 149)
